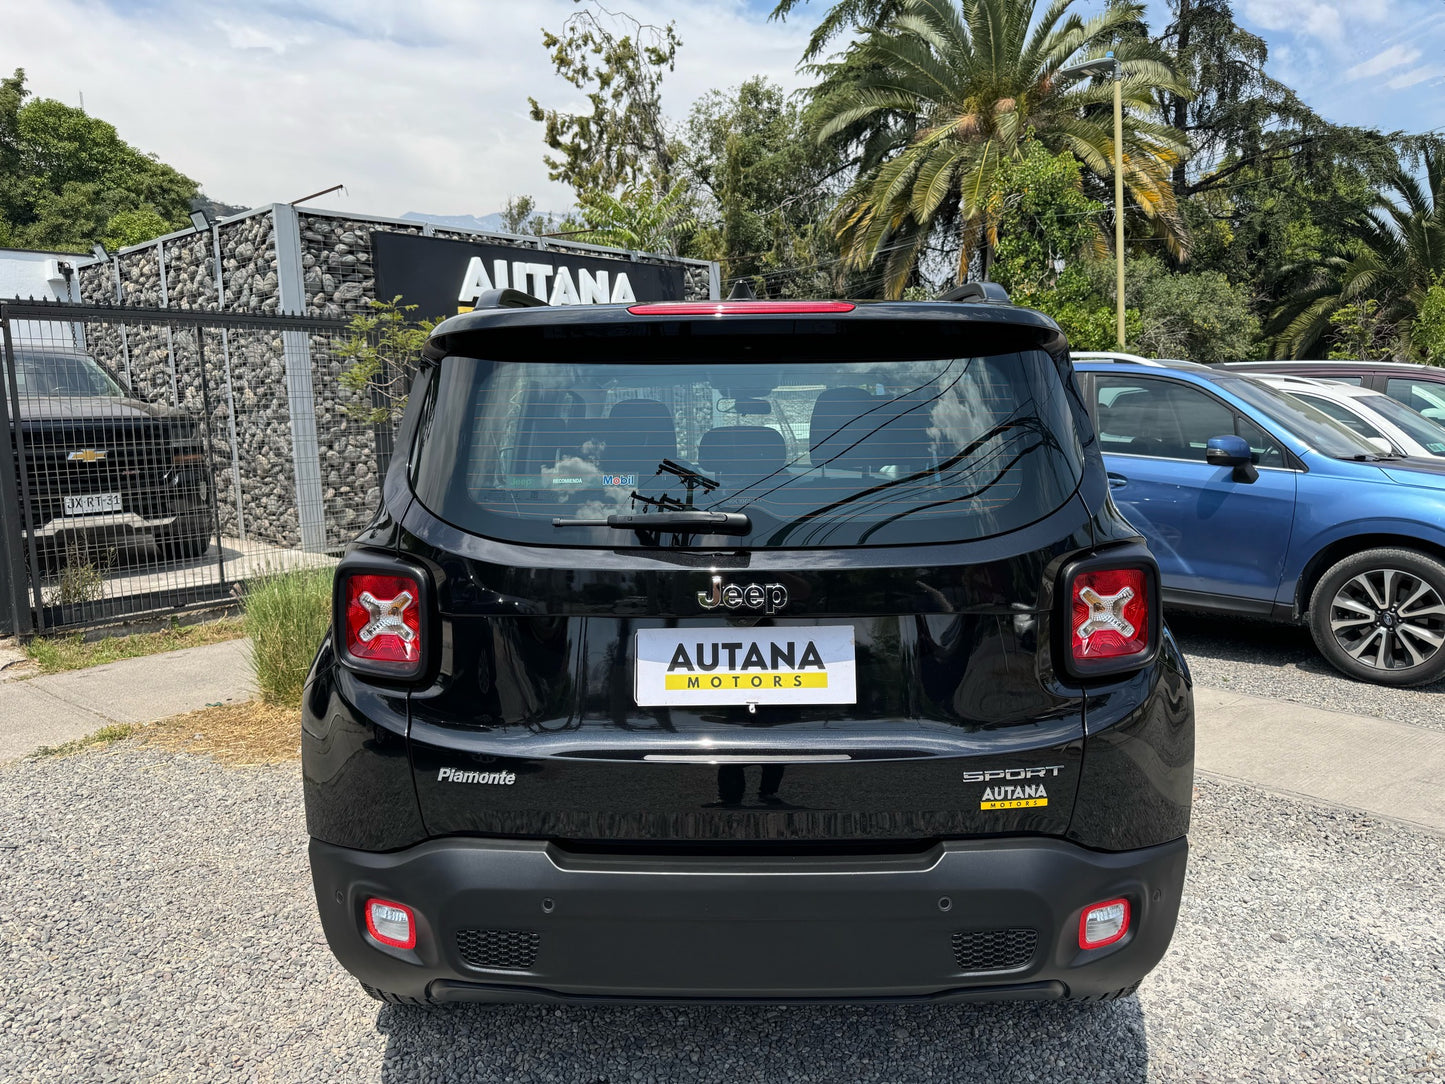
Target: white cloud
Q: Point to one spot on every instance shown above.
(1397, 56)
(421, 106)
(1318, 18)
(1415, 76)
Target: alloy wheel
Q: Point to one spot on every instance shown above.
(1388, 619)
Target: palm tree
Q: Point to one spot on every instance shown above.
(944, 91)
(1394, 255)
(637, 219)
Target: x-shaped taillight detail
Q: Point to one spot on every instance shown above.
(386, 617)
(1106, 613)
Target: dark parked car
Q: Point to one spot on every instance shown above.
(1419, 387)
(742, 651)
(99, 467)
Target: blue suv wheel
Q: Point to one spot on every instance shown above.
(1380, 616)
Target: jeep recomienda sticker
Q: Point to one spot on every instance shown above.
(806, 665)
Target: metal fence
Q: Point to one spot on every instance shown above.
(158, 458)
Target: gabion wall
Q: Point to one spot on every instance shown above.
(250, 421)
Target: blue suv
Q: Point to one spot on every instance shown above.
(1255, 503)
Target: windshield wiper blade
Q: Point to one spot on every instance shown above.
(692, 521)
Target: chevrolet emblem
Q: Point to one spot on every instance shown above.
(87, 455)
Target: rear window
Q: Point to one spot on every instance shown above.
(816, 453)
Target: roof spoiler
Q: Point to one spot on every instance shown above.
(977, 291)
(507, 299)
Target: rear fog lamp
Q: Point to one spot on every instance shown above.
(391, 923)
(1103, 924)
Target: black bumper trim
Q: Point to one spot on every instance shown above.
(743, 929)
(447, 990)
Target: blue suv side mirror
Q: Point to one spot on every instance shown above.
(1232, 451)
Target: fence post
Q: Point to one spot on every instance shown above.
(15, 619)
(210, 454)
(230, 391)
(124, 338)
(301, 396)
(170, 340)
(27, 602)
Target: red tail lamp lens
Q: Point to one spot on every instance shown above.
(1111, 614)
(737, 308)
(391, 923)
(1103, 923)
(383, 619)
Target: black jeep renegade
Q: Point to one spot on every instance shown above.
(745, 651)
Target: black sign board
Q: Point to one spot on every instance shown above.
(442, 277)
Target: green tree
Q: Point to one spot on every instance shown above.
(1359, 332)
(1394, 256)
(761, 185)
(380, 356)
(520, 216)
(67, 179)
(1430, 325)
(1197, 315)
(938, 98)
(619, 63)
(1042, 218)
(638, 219)
(843, 16)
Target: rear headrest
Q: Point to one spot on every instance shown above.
(838, 435)
(639, 433)
(741, 453)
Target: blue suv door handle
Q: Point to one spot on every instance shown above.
(1117, 480)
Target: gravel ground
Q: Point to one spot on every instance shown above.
(156, 922)
(1281, 661)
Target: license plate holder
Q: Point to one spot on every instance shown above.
(708, 667)
(91, 504)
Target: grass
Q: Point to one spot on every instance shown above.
(246, 733)
(53, 654)
(104, 736)
(287, 616)
(251, 732)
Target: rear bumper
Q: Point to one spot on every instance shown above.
(549, 924)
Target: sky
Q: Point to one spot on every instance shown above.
(422, 106)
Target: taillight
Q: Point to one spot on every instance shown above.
(391, 923)
(1113, 615)
(1103, 923)
(737, 308)
(382, 621)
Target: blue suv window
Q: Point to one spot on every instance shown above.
(1170, 420)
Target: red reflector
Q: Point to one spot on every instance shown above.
(391, 923)
(383, 618)
(737, 308)
(1103, 923)
(1111, 614)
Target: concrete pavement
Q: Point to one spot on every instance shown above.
(1389, 769)
(58, 708)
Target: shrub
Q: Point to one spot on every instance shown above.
(287, 616)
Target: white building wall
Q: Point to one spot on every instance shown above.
(25, 275)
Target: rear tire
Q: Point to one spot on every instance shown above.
(1379, 616)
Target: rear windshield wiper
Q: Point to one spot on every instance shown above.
(691, 522)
